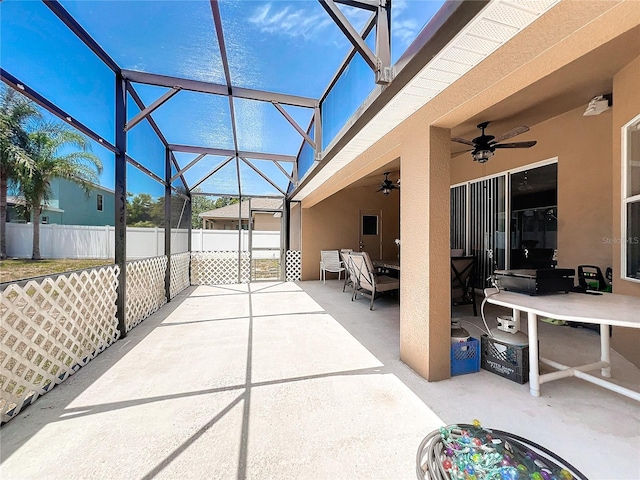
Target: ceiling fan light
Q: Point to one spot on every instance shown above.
(482, 156)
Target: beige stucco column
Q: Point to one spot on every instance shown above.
(425, 305)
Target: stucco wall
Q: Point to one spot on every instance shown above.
(583, 148)
(626, 107)
(334, 224)
(295, 227)
(267, 222)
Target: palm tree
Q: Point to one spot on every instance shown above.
(16, 113)
(56, 151)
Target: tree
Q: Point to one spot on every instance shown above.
(139, 210)
(16, 113)
(56, 151)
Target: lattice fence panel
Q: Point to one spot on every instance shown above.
(50, 327)
(179, 272)
(145, 288)
(219, 268)
(294, 266)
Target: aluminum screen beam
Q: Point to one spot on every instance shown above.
(347, 29)
(365, 4)
(233, 195)
(223, 152)
(384, 73)
(217, 21)
(217, 89)
(30, 93)
(167, 223)
(120, 204)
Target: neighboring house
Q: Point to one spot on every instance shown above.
(226, 218)
(70, 205)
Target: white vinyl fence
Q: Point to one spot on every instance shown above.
(74, 241)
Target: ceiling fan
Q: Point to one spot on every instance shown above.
(387, 185)
(484, 146)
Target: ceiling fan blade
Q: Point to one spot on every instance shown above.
(462, 140)
(510, 134)
(516, 144)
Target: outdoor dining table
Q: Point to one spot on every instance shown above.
(389, 264)
(604, 309)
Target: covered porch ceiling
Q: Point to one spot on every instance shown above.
(558, 63)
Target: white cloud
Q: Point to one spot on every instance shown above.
(291, 22)
(405, 31)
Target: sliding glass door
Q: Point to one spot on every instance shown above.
(479, 213)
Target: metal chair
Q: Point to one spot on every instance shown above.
(349, 274)
(462, 273)
(330, 262)
(366, 282)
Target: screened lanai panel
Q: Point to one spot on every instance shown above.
(262, 128)
(254, 184)
(200, 169)
(352, 88)
(143, 144)
(286, 46)
(223, 182)
(169, 38)
(192, 118)
(307, 156)
(38, 49)
(145, 214)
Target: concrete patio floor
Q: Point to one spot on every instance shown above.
(284, 380)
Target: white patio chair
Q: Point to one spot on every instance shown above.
(367, 283)
(330, 262)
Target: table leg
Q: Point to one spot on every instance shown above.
(605, 351)
(534, 369)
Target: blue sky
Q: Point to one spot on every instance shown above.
(283, 46)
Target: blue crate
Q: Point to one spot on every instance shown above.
(465, 357)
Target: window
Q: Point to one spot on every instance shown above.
(369, 225)
(630, 240)
(44, 220)
(99, 202)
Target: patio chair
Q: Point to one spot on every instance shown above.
(366, 282)
(349, 274)
(462, 291)
(330, 262)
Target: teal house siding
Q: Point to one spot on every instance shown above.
(69, 205)
(78, 208)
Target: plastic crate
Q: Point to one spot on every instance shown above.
(465, 357)
(509, 361)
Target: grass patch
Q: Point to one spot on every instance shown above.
(19, 269)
